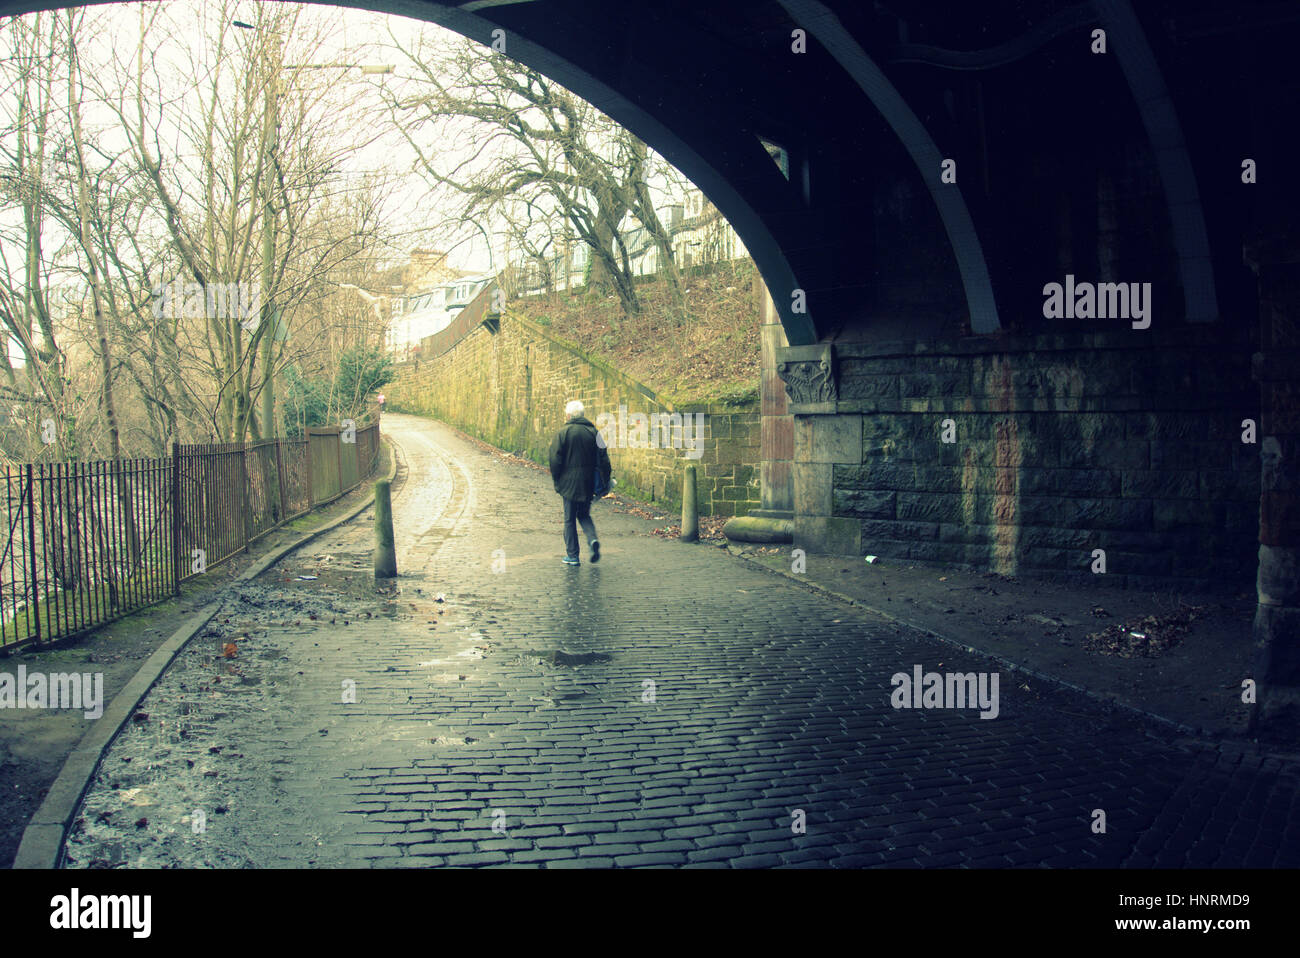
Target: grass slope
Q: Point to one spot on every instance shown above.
(710, 355)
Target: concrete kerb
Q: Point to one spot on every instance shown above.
(42, 843)
(1006, 663)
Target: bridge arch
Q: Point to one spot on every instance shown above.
(707, 86)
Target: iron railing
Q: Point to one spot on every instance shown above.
(84, 543)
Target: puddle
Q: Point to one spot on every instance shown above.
(453, 740)
(556, 698)
(111, 854)
(560, 657)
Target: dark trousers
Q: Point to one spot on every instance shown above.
(578, 510)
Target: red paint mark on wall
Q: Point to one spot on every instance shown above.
(1007, 458)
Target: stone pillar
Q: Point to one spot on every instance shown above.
(690, 512)
(823, 439)
(776, 423)
(772, 521)
(385, 550)
(1276, 263)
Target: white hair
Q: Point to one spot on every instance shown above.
(574, 408)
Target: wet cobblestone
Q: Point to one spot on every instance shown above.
(511, 722)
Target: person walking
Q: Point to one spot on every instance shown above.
(576, 454)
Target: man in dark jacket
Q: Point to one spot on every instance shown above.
(576, 454)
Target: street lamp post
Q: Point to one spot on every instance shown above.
(271, 113)
(271, 119)
(269, 318)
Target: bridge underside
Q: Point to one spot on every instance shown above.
(1106, 163)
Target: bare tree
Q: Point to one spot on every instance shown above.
(27, 300)
(250, 199)
(519, 146)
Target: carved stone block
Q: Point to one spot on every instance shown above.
(809, 375)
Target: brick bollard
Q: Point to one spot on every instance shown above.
(690, 514)
(385, 551)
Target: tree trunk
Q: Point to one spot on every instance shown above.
(125, 505)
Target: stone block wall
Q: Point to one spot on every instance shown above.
(508, 387)
(1062, 445)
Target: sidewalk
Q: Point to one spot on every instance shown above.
(1149, 653)
(35, 743)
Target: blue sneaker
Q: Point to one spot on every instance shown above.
(567, 561)
(595, 550)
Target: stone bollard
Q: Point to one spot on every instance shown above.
(690, 514)
(385, 550)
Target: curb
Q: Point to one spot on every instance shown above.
(1006, 663)
(42, 842)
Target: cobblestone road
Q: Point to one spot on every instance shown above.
(667, 706)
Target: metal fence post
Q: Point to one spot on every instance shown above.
(31, 544)
(311, 483)
(338, 455)
(243, 494)
(176, 516)
(279, 478)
